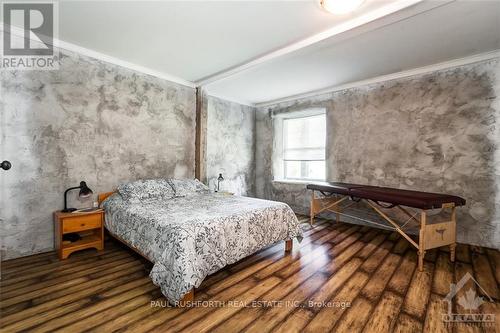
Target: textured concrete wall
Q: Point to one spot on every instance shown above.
(87, 121)
(436, 132)
(231, 146)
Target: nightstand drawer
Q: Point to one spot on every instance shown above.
(80, 223)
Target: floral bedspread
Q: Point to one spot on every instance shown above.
(188, 238)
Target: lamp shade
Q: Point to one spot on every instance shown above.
(85, 191)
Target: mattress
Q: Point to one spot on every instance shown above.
(188, 238)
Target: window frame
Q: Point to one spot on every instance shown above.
(300, 115)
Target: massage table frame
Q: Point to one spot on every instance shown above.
(189, 297)
(431, 236)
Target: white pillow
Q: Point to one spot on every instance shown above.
(147, 189)
(187, 187)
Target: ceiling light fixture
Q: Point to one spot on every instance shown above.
(340, 6)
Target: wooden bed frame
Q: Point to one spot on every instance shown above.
(189, 297)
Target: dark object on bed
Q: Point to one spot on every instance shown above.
(431, 235)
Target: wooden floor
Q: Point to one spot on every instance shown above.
(374, 270)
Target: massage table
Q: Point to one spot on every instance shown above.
(335, 195)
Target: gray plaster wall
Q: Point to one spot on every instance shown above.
(231, 146)
(89, 121)
(436, 132)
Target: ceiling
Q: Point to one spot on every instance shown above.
(260, 51)
(192, 39)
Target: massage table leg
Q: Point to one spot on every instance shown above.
(421, 240)
(313, 203)
(452, 252)
(319, 205)
(421, 255)
(454, 226)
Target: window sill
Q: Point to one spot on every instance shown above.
(294, 181)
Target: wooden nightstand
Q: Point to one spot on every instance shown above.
(88, 225)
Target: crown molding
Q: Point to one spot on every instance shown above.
(389, 77)
(58, 43)
(126, 64)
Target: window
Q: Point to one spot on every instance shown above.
(304, 147)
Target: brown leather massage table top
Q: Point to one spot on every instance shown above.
(415, 199)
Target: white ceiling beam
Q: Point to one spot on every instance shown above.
(353, 23)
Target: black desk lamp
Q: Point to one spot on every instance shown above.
(219, 179)
(85, 192)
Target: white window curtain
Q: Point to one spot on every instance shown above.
(304, 140)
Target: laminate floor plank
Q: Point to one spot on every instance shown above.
(418, 294)
(443, 275)
(295, 323)
(494, 256)
(462, 270)
(408, 324)
(485, 276)
(433, 319)
(400, 281)
(327, 316)
(384, 316)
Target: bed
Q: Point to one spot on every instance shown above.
(189, 233)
